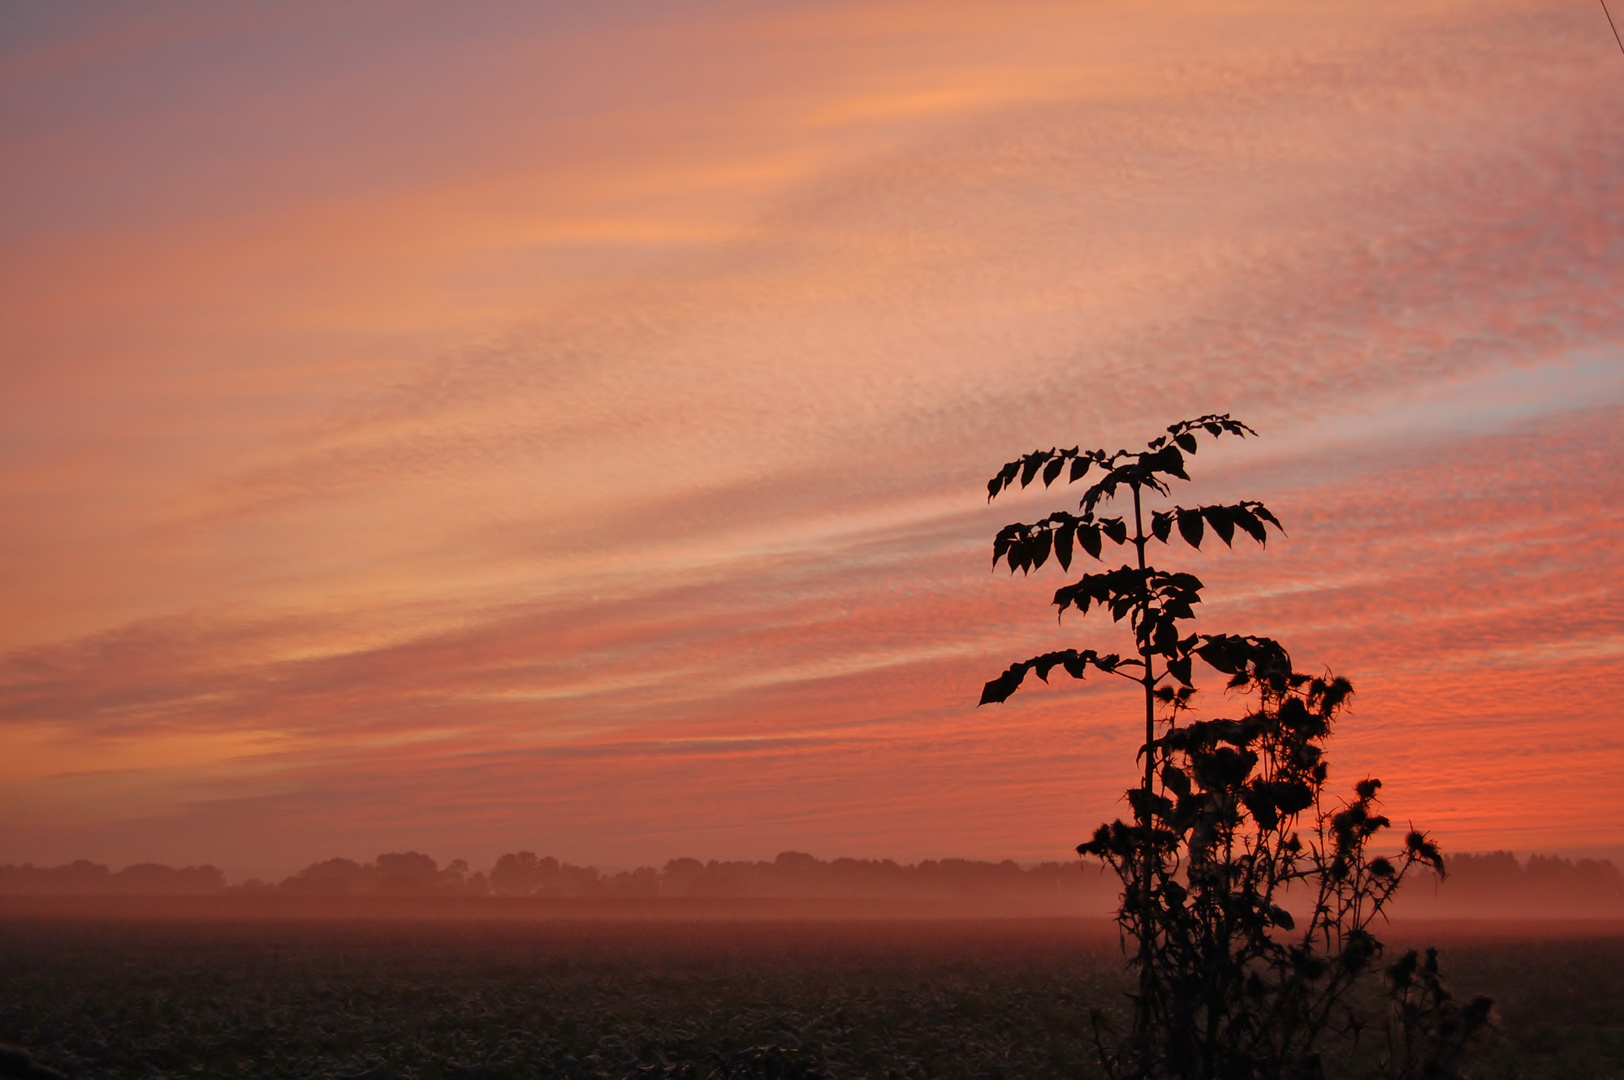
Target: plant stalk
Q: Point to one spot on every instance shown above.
(1147, 924)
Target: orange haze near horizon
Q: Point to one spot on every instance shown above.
(565, 426)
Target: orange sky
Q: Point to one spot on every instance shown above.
(565, 426)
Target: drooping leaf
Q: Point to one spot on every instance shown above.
(1178, 607)
(1089, 536)
(1218, 517)
(1190, 526)
(1019, 557)
(1187, 441)
(1041, 544)
(1034, 461)
(1249, 524)
(1007, 537)
(1116, 529)
(1079, 468)
(1074, 663)
(1170, 461)
(1052, 470)
(1005, 477)
(1062, 544)
(999, 689)
(1263, 512)
(1161, 525)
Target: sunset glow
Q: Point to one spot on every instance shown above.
(565, 427)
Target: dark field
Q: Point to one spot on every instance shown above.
(690, 999)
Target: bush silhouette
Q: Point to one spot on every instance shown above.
(1232, 825)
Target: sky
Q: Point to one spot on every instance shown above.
(565, 426)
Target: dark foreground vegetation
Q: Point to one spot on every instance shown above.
(988, 999)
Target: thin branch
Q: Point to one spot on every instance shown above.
(1614, 25)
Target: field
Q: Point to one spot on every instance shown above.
(439, 1000)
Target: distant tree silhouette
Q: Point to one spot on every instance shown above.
(1228, 985)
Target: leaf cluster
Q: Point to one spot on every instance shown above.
(1162, 457)
(1153, 601)
(1027, 547)
(1235, 833)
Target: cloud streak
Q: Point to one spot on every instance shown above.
(596, 462)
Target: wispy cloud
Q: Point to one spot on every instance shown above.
(592, 453)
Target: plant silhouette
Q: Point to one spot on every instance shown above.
(1231, 823)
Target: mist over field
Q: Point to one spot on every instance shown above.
(1495, 885)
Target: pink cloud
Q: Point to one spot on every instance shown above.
(622, 491)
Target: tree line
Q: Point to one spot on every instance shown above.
(1492, 882)
(525, 874)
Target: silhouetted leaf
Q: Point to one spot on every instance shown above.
(1007, 536)
(1089, 536)
(1005, 477)
(1263, 512)
(1218, 517)
(1052, 470)
(1190, 526)
(1019, 557)
(999, 689)
(1161, 525)
(1250, 525)
(1115, 528)
(1079, 468)
(1188, 442)
(1170, 461)
(1034, 461)
(1040, 545)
